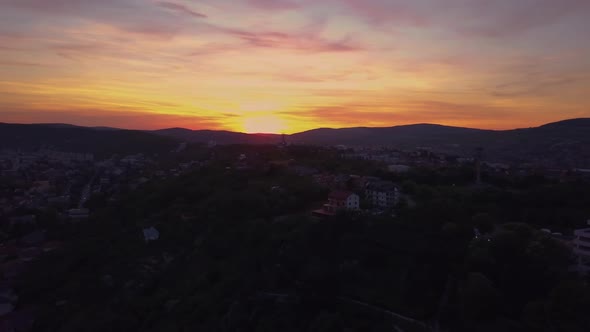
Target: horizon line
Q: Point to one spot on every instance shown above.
(262, 133)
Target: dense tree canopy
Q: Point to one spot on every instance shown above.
(238, 251)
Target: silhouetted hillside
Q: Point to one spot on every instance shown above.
(563, 143)
(218, 136)
(79, 139)
(410, 135)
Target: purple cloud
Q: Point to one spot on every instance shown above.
(12, 63)
(507, 18)
(119, 118)
(273, 4)
(539, 86)
(483, 18)
(126, 15)
(395, 12)
(404, 112)
(62, 7)
(305, 41)
(181, 9)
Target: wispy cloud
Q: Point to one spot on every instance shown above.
(500, 18)
(408, 112)
(118, 118)
(181, 9)
(533, 88)
(274, 4)
(11, 63)
(309, 42)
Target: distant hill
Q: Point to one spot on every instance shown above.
(409, 135)
(564, 143)
(102, 142)
(218, 136)
(66, 125)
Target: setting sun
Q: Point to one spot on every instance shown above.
(267, 124)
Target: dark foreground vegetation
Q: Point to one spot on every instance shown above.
(101, 142)
(235, 253)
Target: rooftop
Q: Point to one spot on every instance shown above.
(382, 186)
(340, 194)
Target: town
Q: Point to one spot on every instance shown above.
(46, 193)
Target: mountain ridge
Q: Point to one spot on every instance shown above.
(98, 140)
(563, 143)
(573, 121)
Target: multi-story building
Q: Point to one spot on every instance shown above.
(342, 200)
(581, 244)
(78, 214)
(382, 194)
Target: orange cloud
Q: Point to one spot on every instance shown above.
(114, 118)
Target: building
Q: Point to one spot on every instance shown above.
(581, 244)
(397, 168)
(342, 200)
(41, 187)
(59, 200)
(303, 170)
(23, 220)
(339, 201)
(382, 194)
(332, 181)
(150, 234)
(78, 214)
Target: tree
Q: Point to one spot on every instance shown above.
(327, 322)
(480, 298)
(484, 222)
(566, 309)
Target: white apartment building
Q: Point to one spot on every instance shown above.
(581, 244)
(382, 194)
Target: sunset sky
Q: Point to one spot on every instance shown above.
(292, 65)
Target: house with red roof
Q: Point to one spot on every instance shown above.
(339, 201)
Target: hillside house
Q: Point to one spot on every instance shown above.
(342, 200)
(339, 201)
(382, 194)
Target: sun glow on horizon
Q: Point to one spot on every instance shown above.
(264, 124)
